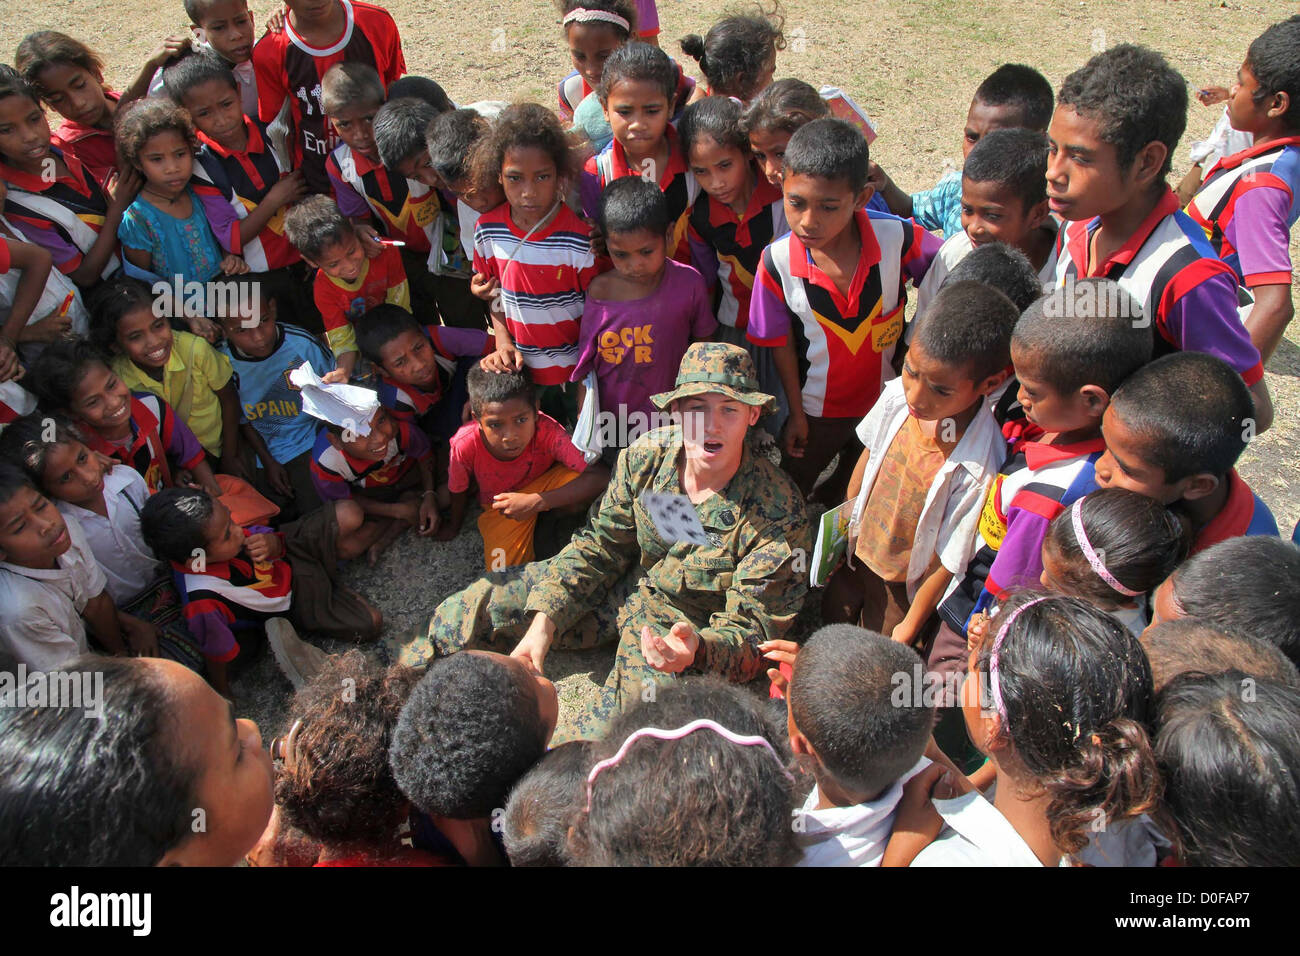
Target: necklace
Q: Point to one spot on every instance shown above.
(169, 201)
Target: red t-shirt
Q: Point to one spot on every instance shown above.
(287, 67)
(95, 147)
(471, 459)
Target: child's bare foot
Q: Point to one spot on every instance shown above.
(386, 537)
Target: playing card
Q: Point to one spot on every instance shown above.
(675, 518)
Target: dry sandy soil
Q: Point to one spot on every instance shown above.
(912, 66)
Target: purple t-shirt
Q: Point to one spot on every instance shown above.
(635, 347)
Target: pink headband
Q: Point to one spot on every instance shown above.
(1094, 559)
(582, 15)
(995, 688)
(694, 725)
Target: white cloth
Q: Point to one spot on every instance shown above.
(40, 610)
(1222, 141)
(850, 836)
(950, 516)
(467, 216)
(975, 834)
(956, 248)
(57, 289)
(116, 540)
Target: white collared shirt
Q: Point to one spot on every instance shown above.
(116, 540)
(950, 516)
(850, 836)
(40, 610)
(956, 248)
(975, 834)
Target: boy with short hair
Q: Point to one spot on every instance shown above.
(523, 462)
(932, 449)
(421, 368)
(1068, 366)
(233, 580)
(51, 588)
(378, 463)
(291, 64)
(400, 129)
(1011, 96)
(348, 283)
(262, 353)
(1249, 201)
(1117, 123)
(839, 274)
(450, 140)
(473, 725)
(861, 745)
(1003, 199)
(225, 28)
(1173, 432)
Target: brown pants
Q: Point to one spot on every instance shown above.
(855, 595)
(827, 437)
(319, 604)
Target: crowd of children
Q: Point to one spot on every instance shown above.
(276, 304)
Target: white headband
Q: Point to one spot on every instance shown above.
(582, 15)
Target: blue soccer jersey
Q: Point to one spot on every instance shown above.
(269, 401)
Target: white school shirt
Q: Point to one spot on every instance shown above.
(116, 540)
(57, 289)
(950, 517)
(956, 248)
(976, 834)
(40, 610)
(851, 836)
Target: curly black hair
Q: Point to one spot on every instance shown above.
(145, 119)
(471, 728)
(338, 789)
(521, 126)
(1135, 96)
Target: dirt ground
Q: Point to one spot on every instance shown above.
(912, 66)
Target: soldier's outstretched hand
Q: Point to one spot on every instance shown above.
(672, 653)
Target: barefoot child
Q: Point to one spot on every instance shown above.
(932, 450)
(377, 463)
(232, 580)
(523, 463)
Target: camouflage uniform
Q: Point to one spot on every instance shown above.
(618, 575)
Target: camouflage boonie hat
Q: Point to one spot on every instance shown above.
(717, 367)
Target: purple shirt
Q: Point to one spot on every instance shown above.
(636, 347)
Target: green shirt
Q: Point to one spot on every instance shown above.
(744, 588)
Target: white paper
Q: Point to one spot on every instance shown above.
(347, 406)
(674, 517)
